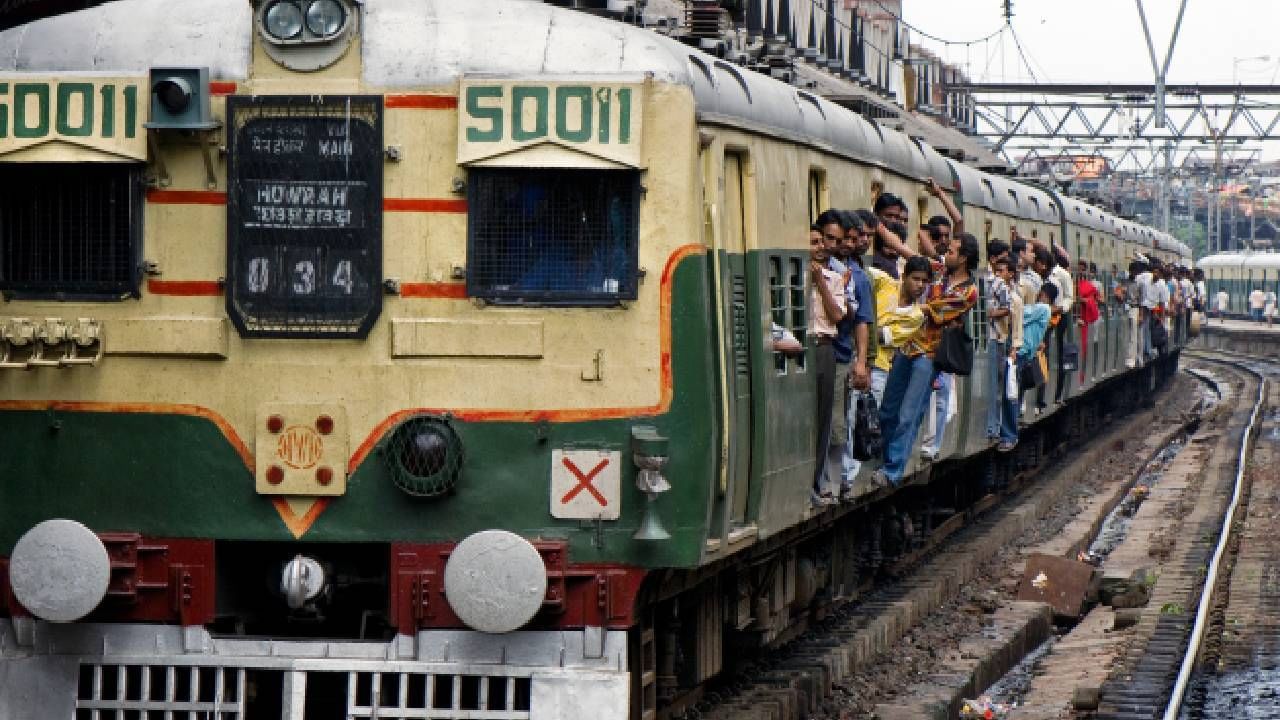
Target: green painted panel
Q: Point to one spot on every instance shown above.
(173, 475)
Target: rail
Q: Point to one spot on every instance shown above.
(1206, 596)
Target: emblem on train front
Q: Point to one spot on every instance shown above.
(299, 447)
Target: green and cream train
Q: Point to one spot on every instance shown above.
(409, 358)
(1238, 274)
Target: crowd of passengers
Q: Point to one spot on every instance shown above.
(878, 309)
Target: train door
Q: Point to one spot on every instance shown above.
(736, 341)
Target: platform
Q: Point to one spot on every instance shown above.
(1240, 336)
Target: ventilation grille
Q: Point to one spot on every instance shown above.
(156, 692)
(406, 696)
(70, 230)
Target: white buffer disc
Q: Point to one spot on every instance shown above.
(59, 570)
(495, 581)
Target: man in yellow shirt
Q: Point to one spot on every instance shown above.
(898, 314)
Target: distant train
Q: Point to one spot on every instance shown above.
(410, 359)
(1239, 273)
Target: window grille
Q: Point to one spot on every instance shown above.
(304, 215)
(553, 236)
(787, 307)
(70, 231)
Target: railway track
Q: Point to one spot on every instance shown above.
(1203, 654)
(814, 675)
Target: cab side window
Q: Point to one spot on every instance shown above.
(553, 236)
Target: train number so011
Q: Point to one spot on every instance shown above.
(70, 109)
(528, 113)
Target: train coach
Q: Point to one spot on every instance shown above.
(408, 359)
(1239, 274)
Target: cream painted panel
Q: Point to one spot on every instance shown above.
(439, 337)
(180, 336)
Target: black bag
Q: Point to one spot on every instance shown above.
(955, 352)
(867, 440)
(1159, 336)
(1070, 356)
(1033, 372)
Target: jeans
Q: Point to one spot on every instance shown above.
(906, 399)
(941, 404)
(1256, 314)
(1008, 426)
(824, 371)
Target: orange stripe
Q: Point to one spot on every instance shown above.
(157, 408)
(299, 525)
(222, 88)
(421, 102)
(455, 291)
(187, 197)
(572, 415)
(186, 288)
(426, 205)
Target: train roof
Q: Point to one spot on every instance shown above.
(417, 44)
(1221, 260)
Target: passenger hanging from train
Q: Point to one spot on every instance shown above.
(889, 243)
(1035, 325)
(863, 348)
(851, 333)
(1060, 275)
(1043, 264)
(935, 240)
(827, 307)
(1158, 330)
(1090, 300)
(906, 394)
(890, 208)
(899, 315)
(1140, 298)
(940, 229)
(1006, 363)
(1029, 281)
(1004, 337)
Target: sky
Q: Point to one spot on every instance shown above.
(1102, 40)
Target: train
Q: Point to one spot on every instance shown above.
(411, 358)
(1238, 274)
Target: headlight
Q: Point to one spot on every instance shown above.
(424, 456)
(284, 20)
(325, 17)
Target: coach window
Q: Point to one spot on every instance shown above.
(552, 236)
(817, 193)
(71, 231)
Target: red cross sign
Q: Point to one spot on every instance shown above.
(585, 494)
(584, 482)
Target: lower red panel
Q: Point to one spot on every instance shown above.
(163, 580)
(577, 595)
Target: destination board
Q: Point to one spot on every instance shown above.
(304, 216)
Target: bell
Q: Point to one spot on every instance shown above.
(651, 527)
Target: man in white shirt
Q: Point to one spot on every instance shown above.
(1257, 301)
(1145, 302)
(1063, 307)
(1224, 304)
